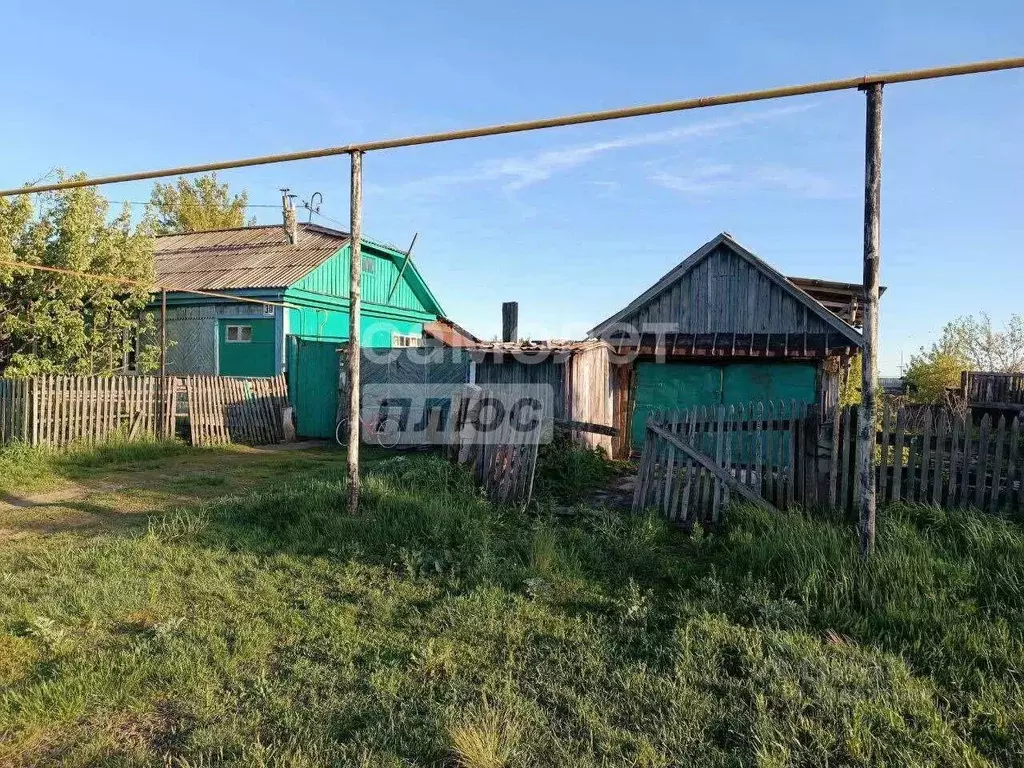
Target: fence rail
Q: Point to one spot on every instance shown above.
(56, 411)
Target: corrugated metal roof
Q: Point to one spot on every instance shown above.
(246, 257)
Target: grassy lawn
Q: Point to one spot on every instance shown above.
(238, 616)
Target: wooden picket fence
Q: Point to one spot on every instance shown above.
(15, 410)
(502, 463)
(225, 410)
(694, 461)
(937, 456)
(57, 411)
(990, 388)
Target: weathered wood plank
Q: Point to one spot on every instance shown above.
(1013, 465)
(691, 471)
(791, 473)
(969, 458)
(885, 457)
(997, 465)
(940, 456)
(716, 508)
(665, 493)
(955, 455)
(981, 469)
(910, 494)
(681, 468)
(846, 460)
(923, 486)
(729, 449)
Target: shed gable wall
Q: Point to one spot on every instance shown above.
(726, 293)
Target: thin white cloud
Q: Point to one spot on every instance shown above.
(716, 179)
(516, 173)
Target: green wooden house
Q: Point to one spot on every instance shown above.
(306, 270)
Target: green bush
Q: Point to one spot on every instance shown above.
(568, 473)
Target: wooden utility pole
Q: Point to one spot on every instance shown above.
(869, 368)
(164, 416)
(354, 312)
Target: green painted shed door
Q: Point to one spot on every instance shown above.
(245, 347)
(769, 382)
(661, 386)
(672, 385)
(313, 368)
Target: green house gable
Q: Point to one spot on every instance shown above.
(321, 298)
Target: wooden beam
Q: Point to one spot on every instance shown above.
(869, 367)
(730, 482)
(355, 307)
(586, 426)
(405, 263)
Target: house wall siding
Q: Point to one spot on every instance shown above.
(192, 334)
(332, 279)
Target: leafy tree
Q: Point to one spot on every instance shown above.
(196, 205)
(933, 373)
(980, 346)
(60, 323)
(850, 384)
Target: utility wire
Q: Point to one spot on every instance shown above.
(247, 205)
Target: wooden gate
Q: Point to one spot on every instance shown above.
(694, 461)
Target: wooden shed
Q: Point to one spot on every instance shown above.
(722, 327)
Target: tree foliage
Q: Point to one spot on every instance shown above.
(63, 324)
(981, 346)
(966, 343)
(850, 383)
(196, 205)
(933, 373)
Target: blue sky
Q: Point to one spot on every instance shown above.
(575, 222)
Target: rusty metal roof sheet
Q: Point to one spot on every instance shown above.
(246, 257)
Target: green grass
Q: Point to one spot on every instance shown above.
(270, 628)
(25, 468)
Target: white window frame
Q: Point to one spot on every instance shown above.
(239, 328)
(369, 265)
(406, 340)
